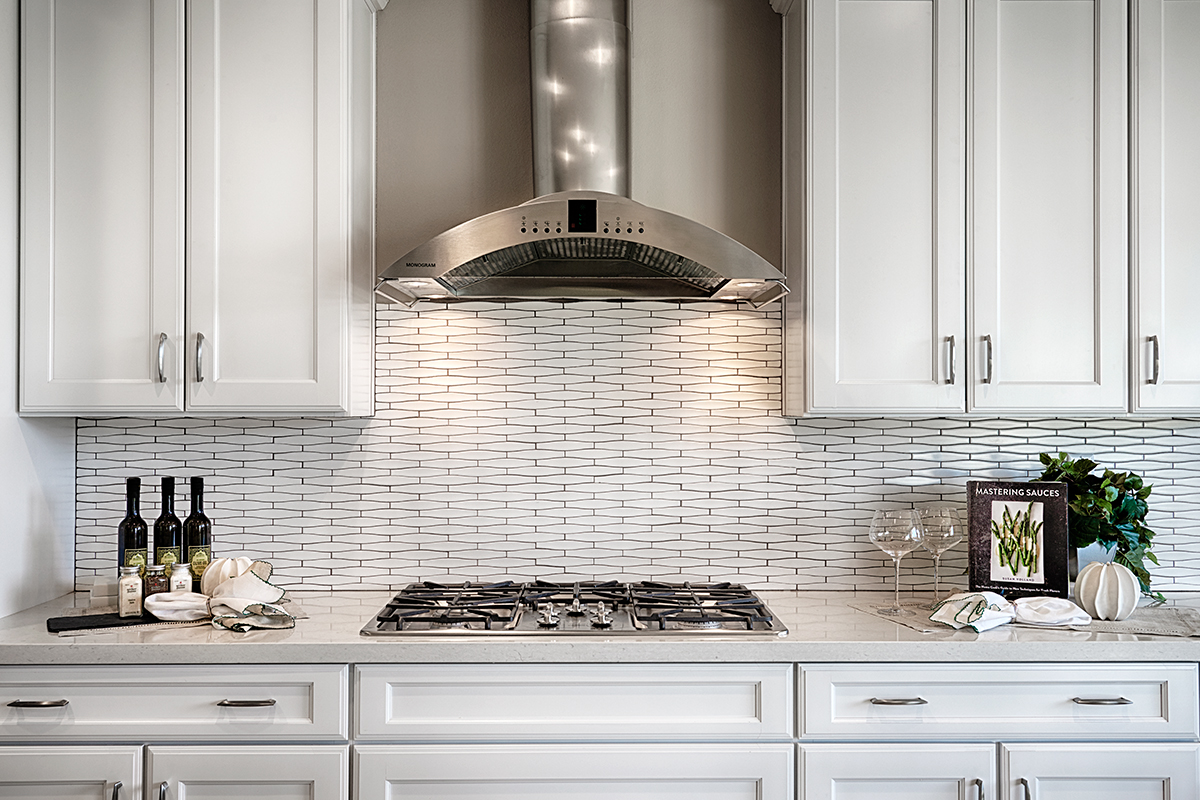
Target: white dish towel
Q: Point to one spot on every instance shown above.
(982, 611)
(242, 598)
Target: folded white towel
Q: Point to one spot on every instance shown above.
(1050, 611)
(979, 611)
(173, 606)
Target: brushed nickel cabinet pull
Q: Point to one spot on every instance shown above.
(162, 791)
(987, 378)
(38, 703)
(979, 784)
(117, 790)
(950, 359)
(199, 358)
(162, 354)
(247, 703)
(1101, 701)
(1154, 376)
(1028, 791)
(899, 701)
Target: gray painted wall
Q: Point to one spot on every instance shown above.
(453, 115)
(37, 457)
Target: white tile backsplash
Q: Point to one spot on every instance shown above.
(595, 440)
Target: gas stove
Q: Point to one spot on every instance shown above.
(582, 608)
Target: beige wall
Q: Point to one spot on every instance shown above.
(453, 136)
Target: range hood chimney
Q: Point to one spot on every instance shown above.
(581, 237)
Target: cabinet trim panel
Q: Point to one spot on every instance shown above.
(573, 701)
(583, 771)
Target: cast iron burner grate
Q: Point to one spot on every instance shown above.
(576, 608)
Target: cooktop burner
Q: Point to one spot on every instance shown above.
(585, 607)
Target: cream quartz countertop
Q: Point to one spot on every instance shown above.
(823, 628)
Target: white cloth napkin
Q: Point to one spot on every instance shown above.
(1050, 611)
(979, 611)
(242, 599)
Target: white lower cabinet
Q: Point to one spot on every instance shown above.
(897, 771)
(574, 772)
(248, 772)
(928, 731)
(1108, 771)
(622, 731)
(96, 772)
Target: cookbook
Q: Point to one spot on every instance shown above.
(1017, 537)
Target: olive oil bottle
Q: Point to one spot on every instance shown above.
(197, 535)
(168, 533)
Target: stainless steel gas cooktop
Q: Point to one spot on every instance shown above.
(576, 609)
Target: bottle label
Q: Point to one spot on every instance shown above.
(136, 558)
(168, 556)
(198, 558)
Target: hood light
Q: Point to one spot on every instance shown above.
(773, 291)
(394, 294)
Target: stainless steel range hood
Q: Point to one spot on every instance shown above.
(582, 237)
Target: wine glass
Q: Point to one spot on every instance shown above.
(896, 532)
(943, 529)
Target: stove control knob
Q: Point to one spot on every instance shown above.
(603, 617)
(547, 615)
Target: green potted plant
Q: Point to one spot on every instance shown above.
(1109, 509)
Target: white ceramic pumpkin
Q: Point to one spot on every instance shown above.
(1106, 590)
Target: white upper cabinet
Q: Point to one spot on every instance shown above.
(886, 212)
(1048, 257)
(1166, 358)
(102, 205)
(274, 311)
(271, 256)
(959, 228)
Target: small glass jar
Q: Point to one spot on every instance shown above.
(156, 579)
(129, 592)
(181, 578)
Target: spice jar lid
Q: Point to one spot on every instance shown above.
(134, 570)
(156, 568)
(177, 567)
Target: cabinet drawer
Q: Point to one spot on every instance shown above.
(174, 702)
(574, 701)
(1013, 701)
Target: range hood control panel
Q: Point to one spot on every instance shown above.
(582, 218)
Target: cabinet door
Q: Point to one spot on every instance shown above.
(1048, 258)
(257, 772)
(1100, 771)
(886, 206)
(272, 127)
(86, 773)
(897, 772)
(101, 206)
(1166, 360)
(574, 772)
